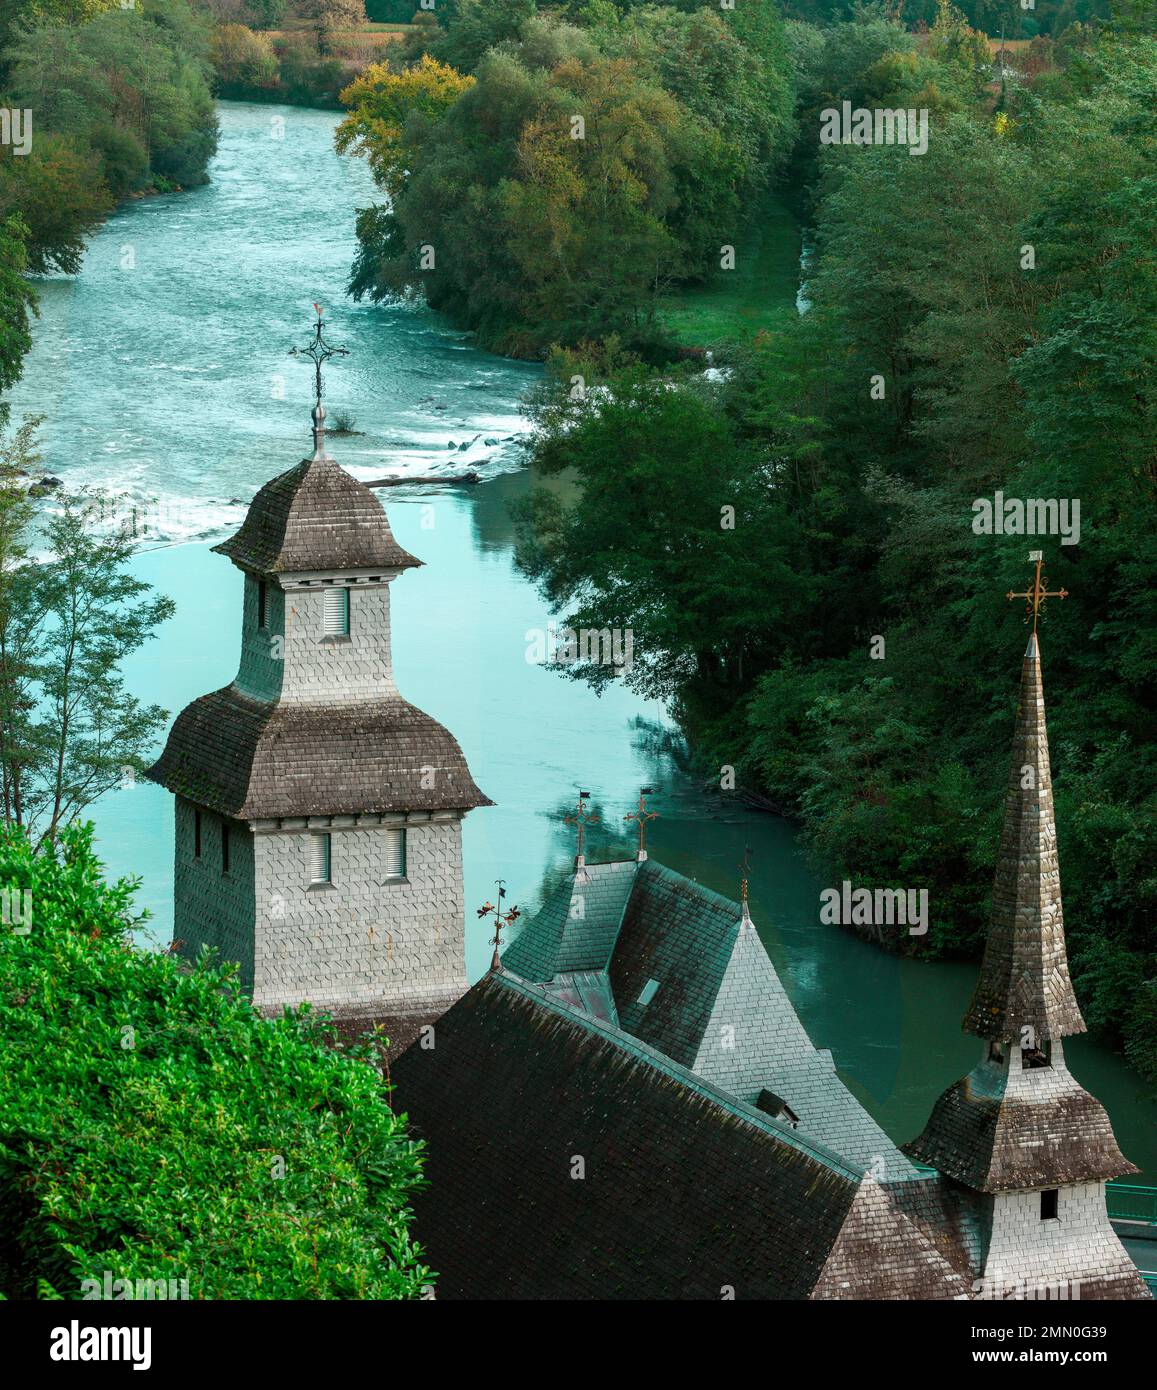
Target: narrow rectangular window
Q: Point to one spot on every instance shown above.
(320, 858)
(261, 603)
(336, 612)
(224, 848)
(196, 834)
(395, 854)
(1048, 1204)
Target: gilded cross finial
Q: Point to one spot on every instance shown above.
(582, 818)
(1039, 592)
(318, 351)
(501, 919)
(641, 815)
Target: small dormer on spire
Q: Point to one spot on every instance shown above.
(318, 351)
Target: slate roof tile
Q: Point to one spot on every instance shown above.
(313, 517)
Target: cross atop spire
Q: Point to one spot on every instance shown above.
(641, 815)
(1039, 592)
(318, 351)
(745, 870)
(501, 919)
(581, 817)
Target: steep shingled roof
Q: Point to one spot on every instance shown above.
(577, 926)
(315, 517)
(685, 1192)
(253, 759)
(633, 932)
(993, 1142)
(1024, 977)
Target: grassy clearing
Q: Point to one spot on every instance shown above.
(758, 295)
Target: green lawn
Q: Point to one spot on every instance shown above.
(735, 305)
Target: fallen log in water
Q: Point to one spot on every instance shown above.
(427, 478)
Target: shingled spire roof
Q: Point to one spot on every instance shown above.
(1024, 979)
(315, 517)
(1008, 1126)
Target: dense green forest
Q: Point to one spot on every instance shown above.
(791, 540)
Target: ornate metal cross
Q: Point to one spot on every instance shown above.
(501, 919)
(642, 816)
(318, 351)
(744, 869)
(1039, 592)
(582, 818)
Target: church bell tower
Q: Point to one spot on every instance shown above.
(318, 813)
(1022, 1145)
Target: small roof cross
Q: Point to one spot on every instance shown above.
(641, 815)
(582, 818)
(1039, 592)
(744, 869)
(501, 919)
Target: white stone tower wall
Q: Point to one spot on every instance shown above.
(212, 908)
(336, 670)
(1031, 1258)
(261, 671)
(364, 941)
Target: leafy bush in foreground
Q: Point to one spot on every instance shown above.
(147, 1114)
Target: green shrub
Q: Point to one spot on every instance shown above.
(147, 1113)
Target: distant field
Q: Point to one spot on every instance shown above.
(370, 34)
(758, 294)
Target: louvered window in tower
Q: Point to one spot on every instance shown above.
(336, 613)
(320, 859)
(395, 854)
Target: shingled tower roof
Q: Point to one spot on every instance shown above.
(1024, 979)
(1020, 1120)
(315, 517)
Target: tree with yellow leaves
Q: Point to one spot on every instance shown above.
(381, 101)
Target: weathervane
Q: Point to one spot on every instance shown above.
(501, 919)
(744, 869)
(642, 816)
(1039, 592)
(582, 818)
(318, 351)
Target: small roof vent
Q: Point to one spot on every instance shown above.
(650, 989)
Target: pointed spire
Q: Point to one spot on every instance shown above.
(318, 351)
(1024, 991)
(641, 815)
